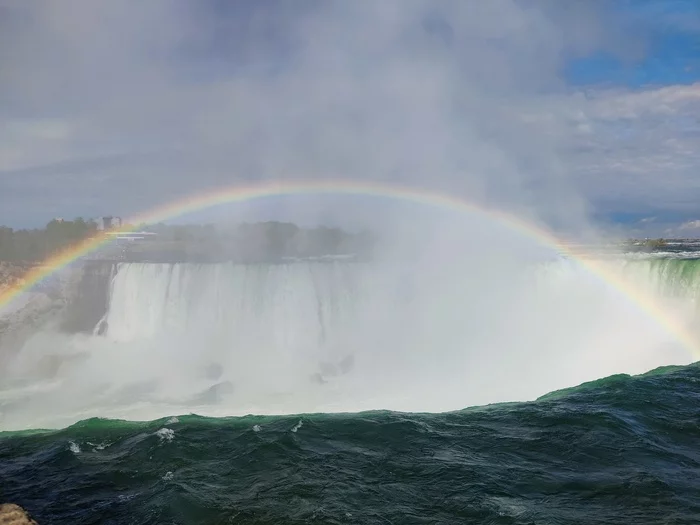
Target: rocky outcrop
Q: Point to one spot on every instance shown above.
(25, 313)
(18, 323)
(11, 514)
(88, 299)
(12, 273)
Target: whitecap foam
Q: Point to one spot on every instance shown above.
(166, 434)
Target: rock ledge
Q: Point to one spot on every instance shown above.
(11, 514)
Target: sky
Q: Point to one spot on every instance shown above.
(585, 111)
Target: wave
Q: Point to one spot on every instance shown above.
(621, 450)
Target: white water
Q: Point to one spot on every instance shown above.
(306, 337)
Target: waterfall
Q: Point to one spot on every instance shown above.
(227, 339)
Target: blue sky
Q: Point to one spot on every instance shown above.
(573, 112)
(671, 58)
(671, 30)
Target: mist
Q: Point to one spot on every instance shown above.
(142, 104)
(179, 97)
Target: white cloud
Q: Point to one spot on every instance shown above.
(27, 142)
(640, 147)
(170, 97)
(690, 225)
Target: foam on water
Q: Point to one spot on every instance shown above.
(166, 434)
(230, 339)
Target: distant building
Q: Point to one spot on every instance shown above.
(109, 222)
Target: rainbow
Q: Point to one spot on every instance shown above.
(238, 194)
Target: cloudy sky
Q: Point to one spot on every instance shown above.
(572, 110)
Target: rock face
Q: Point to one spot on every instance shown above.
(17, 324)
(21, 317)
(87, 297)
(11, 514)
(11, 273)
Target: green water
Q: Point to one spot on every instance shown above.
(618, 450)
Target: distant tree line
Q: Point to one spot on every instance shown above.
(262, 241)
(244, 242)
(38, 244)
(645, 245)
